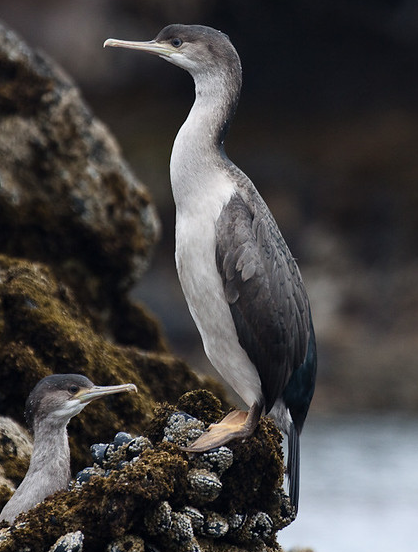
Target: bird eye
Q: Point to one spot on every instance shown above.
(176, 42)
(73, 389)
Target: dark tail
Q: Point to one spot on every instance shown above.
(293, 467)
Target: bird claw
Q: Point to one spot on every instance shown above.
(236, 425)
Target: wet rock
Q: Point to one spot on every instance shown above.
(204, 486)
(215, 526)
(86, 474)
(56, 337)
(196, 517)
(71, 542)
(122, 438)
(127, 543)
(182, 429)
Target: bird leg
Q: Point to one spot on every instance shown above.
(236, 425)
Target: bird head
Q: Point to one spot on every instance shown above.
(195, 48)
(59, 397)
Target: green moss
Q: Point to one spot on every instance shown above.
(106, 507)
(257, 469)
(201, 404)
(14, 467)
(45, 331)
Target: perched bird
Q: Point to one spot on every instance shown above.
(50, 406)
(240, 281)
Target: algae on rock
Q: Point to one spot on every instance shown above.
(43, 331)
(146, 493)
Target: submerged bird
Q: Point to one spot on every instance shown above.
(240, 281)
(50, 406)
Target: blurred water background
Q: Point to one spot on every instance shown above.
(359, 487)
(327, 128)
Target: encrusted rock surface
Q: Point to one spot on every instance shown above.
(44, 331)
(144, 497)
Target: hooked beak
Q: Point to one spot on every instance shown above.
(151, 46)
(97, 391)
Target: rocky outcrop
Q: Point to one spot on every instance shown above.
(147, 492)
(67, 197)
(44, 331)
(76, 231)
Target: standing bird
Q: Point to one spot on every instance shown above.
(50, 406)
(241, 283)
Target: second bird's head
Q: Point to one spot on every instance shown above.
(57, 398)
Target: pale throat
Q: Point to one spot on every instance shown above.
(196, 164)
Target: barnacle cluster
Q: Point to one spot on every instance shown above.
(145, 494)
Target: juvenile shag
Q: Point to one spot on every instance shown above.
(241, 283)
(50, 406)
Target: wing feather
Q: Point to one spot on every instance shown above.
(264, 290)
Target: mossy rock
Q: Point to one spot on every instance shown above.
(44, 331)
(68, 198)
(148, 496)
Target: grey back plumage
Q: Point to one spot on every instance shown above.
(264, 290)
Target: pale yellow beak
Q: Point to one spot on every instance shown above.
(151, 46)
(97, 391)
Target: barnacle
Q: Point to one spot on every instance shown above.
(182, 429)
(203, 485)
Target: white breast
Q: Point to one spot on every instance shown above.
(203, 288)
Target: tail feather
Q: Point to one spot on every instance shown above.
(293, 466)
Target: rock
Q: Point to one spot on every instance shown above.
(15, 453)
(204, 486)
(183, 429)
(127, 543)
(162, 498)
(71, 542)
(67, 197)
(44, 331)
(217, 460)
(215, 526)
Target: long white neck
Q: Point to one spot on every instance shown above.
(197, 157)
